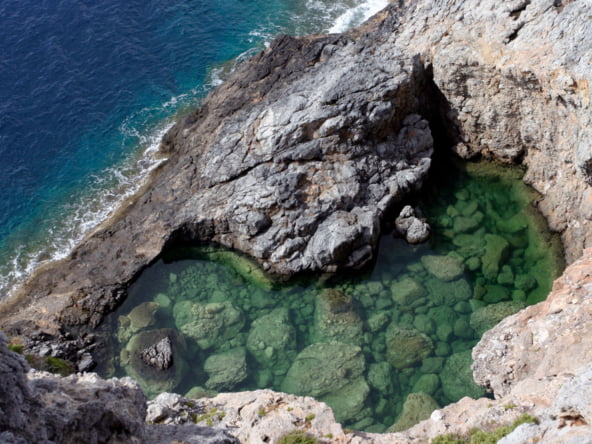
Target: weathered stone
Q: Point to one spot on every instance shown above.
(226, 370)
(413, 229)
(406, 291)
(446, 268)
(210, 325)
(321, 369)
(506, 98)
(272, 339)
(159, 355)
(405, 346)
(335, 319)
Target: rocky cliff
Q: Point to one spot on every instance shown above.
(299, 156)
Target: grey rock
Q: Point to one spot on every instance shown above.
(86, 362)
(189, 434)
(159, 355)
(413, 229)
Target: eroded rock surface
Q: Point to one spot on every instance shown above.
(296, 157)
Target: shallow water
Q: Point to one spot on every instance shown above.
(361, 343)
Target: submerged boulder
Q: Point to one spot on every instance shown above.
(448, 293)
(321, 369)
(153, 378)
(406, 346)
(406, 291)
(210, 325)
(335, 319)
(272, 340)
(445, 268)
(348, 401)
(226, 370)
(140, 317)
(495, 249)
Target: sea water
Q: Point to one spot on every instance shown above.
(383, 347)
(88, 88)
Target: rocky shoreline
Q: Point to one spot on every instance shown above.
(298, 157)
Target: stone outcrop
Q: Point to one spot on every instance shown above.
(39, 407)
(296, 159)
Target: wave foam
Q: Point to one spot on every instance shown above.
(358, 15)
(87, 210)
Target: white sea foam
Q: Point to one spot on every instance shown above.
(87, 210)
(357, 15)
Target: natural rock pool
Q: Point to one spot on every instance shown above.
(383, 347)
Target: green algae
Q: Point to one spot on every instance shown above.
(363, 343)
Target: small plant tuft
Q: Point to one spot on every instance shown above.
(310, 417)
(297, 437)
(478, 436)
(209, 417)
(510, 406)
(17, 348)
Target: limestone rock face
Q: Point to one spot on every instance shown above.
(317, 136)
(40, 407)
(294, 168)
(546, 339)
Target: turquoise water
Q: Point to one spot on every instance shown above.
(399, 333)
(87, 90)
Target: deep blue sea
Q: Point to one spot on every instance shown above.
(88, 88)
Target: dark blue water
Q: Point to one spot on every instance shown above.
(88, 88)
